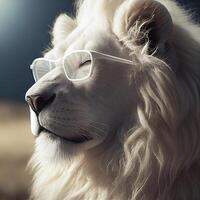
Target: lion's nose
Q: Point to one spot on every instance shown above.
(38, 102)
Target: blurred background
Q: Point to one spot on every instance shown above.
(24, 34)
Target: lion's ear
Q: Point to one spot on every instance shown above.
(143, 21)
(62, 27)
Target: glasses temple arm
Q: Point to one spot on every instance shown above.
(113, 58)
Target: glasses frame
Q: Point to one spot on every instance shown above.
(93, 54)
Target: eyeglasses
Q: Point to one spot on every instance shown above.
(78, 65)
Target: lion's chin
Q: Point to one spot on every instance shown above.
(53, 148)
(76, 139)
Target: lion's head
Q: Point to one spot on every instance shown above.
(129, 131)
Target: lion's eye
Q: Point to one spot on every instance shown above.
(78, 65)
(87, 62)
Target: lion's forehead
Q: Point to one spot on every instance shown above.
(91, 37)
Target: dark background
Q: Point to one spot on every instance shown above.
(24, 34)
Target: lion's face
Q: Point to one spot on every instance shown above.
(77, 116)
(83, 114)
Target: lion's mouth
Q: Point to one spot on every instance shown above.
(74, 139)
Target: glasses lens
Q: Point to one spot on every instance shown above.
(78, 65)
(40, 68)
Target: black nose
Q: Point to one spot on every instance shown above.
(38, 102)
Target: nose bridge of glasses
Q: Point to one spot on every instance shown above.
(54, 63)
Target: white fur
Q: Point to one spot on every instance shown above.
(34, 123)
(156, 158)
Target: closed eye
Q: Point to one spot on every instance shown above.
(85, 63)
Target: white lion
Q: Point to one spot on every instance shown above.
(128, 132)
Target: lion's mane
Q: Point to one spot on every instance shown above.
(159, 156)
